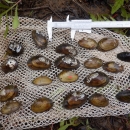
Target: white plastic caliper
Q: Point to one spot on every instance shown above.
(83, 25)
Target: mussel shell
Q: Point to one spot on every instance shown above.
(124, 56)
(96, 79)
(98, 100)
(10, 107)
(15, 49)
(66, 49)
(41, 105)
(42, 80)
(74, 100)
(113, 67)
(107, 44)
(124, 96)
(68, 76)
(93, 63)
(88, 44)
(39, 63)
(9, 65)
(8, 93)
(39, 39)
(67, 63)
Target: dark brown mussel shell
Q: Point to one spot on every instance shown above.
(124, 56)
(74, 100)
(88, 43)
(66, 49)
(124, 96)
(39, 39)
(68, 76)
(41, 105)
(10, 107)
(67, 63)
(8, 93)
(15, 49)
(39, 63)
(98, 100)
(113, 67)
(96, 79)
(107, 44)
(9, 65)
(93, 63)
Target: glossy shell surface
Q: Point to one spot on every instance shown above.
(74, 100)
(41, 105)
(68, 76)
(42, 80)
(113, 67)
(10, 107)
(124, 96)
(39, 63)
(96, 79)
(88, 43)
(124, 56)
(98, 100)
(107, 44)
(66, 49)
(67, 63)
(93, 63)
(15, 49)
(9, 65)
(8, 93)
(39, 39)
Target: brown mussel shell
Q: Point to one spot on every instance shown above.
(66, 49)
(124, 56)
(39, 39)
(67, 76)
(96, 79)
(41, 105)
(9, 65)
(124, 96)
(74, 100)
(42, 80)
(15, 49)
(39, 63)
(88, 44)
(107, 44)
(113, 67)
(93, 63)
(10, 107)
(98, 100)
(8, 93)
(67, 63)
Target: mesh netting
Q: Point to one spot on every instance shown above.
(23, 76)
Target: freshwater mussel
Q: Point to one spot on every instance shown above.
(67, 62)
(10, 107)
(68, 76)
(41, 105)
(9, 65)
(8, 93)
(39, 63)
(39, 39)
(107, 44)
(93, 63)
(74, 100)
(124, 56)
(96, 79)
(15, 49)
(98, 100)
(88, 43)
(66, 49)
(113, 67)
(124, 96)
(42, 80)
